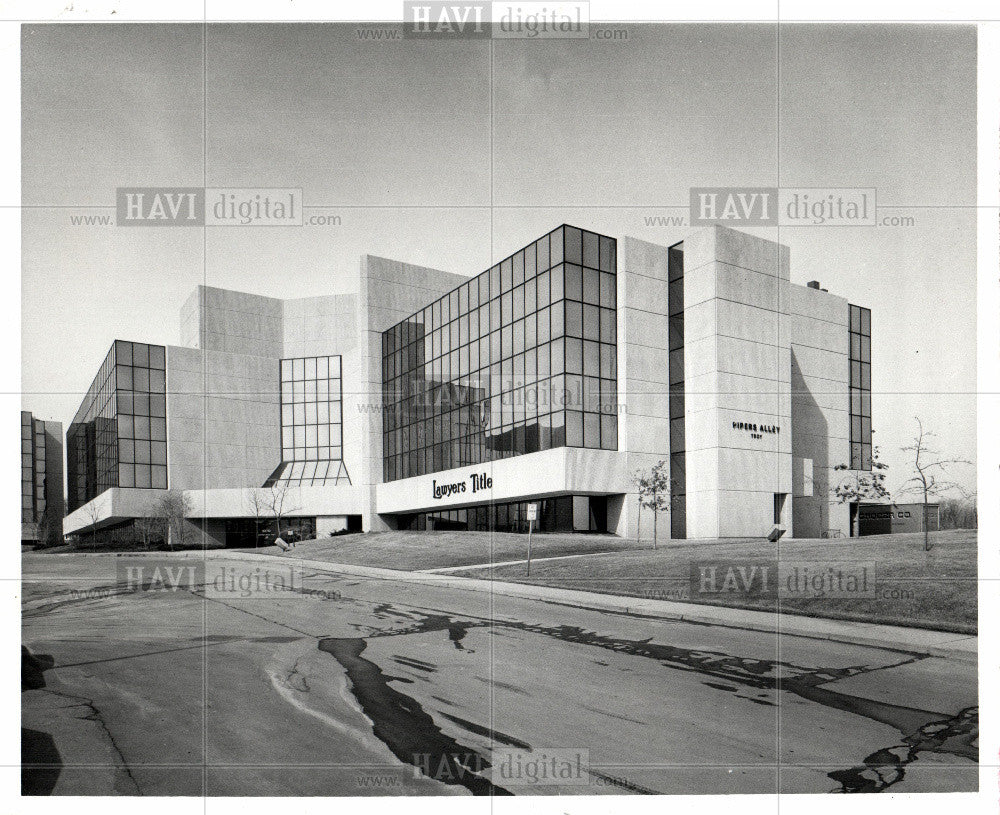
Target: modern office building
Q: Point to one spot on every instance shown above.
(42, 502)
(431, 400)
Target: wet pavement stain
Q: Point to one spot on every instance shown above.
(492, 735)
(954, 736)
(617, 716)
(414, 738)
(717, 686)
(496, 683)
(886, 767)
(416, 664)
(404, 727)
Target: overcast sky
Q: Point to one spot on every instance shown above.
(453, 154)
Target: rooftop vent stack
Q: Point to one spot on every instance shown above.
(813, 284)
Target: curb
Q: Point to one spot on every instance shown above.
(914, 641)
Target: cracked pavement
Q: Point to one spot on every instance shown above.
(379, 687)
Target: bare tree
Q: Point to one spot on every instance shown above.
(859, 485)
(93, 512)
(930, 471)
(255, 501)
(172, 508)
(43, 530)
(959, 513)
(149, 529)
(278, 501)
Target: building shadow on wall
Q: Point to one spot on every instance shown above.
(810, 427)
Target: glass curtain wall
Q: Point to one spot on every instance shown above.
(521, 358)
(118, 437)
(312, 423)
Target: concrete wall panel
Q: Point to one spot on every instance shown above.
(753, 288)
(753, 323)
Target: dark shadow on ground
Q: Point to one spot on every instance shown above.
(41, 763)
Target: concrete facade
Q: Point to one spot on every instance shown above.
(223, 396)
(820, 414)
(643, 366)
(560, 471)
(725, 369)
(737, 374)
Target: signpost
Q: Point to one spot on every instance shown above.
(532, 517)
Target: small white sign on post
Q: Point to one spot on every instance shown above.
(532, 517)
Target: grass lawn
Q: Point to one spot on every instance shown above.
(935, 589)
(415, 551)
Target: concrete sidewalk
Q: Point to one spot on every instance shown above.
(473, 566)
(909, 640)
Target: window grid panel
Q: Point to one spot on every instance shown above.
(859, 387)
(311, 415)
(130, 384)
(476, 375)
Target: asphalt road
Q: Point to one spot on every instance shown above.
(348, 686)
